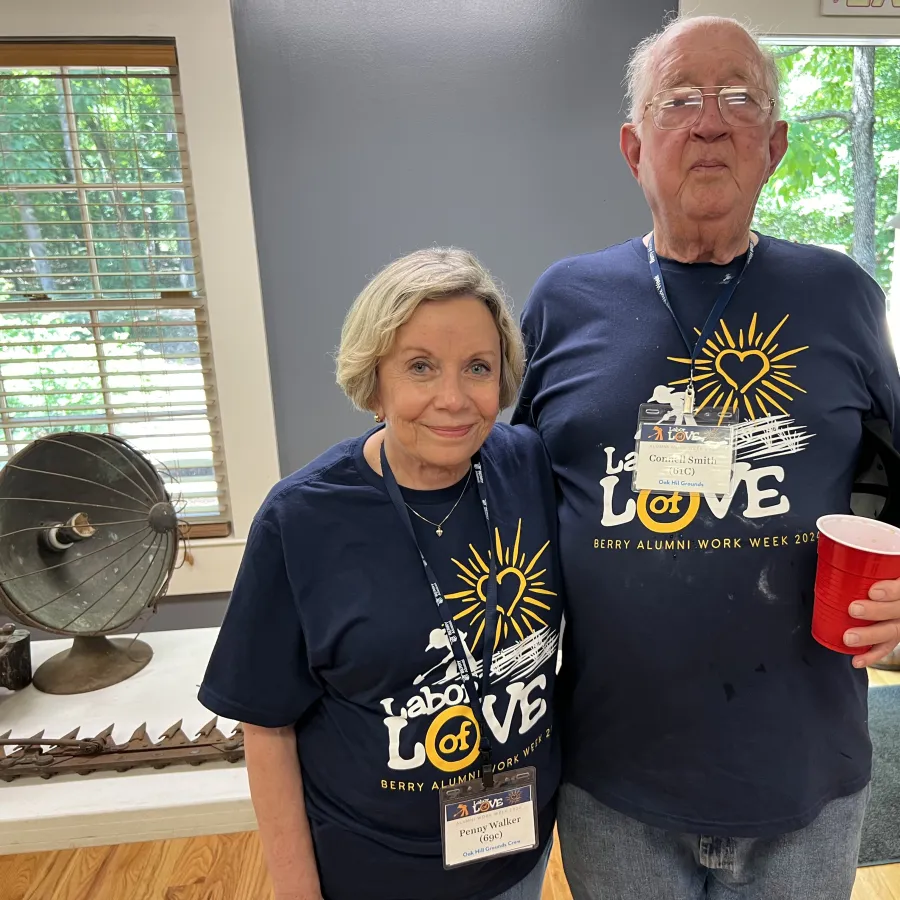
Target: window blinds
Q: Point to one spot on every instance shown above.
(103, 321)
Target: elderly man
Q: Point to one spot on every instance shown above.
(713, 747)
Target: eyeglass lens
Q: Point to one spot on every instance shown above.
(681, 107)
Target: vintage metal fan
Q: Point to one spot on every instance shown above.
(88, 541)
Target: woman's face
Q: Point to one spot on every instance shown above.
(439, 387)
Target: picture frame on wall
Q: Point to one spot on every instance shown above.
(861, 8)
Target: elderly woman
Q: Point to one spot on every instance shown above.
(391, 640)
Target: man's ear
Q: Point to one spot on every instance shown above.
(778, 146)
(630, 145)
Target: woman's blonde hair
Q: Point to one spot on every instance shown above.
(388, 301)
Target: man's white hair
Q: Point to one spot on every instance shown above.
(639, 71)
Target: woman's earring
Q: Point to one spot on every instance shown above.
(379, 418)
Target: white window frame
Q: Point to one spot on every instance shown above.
(798, 23)
(797, 20)
(207, 66)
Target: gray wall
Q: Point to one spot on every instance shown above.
(378, 126)
(375, 127)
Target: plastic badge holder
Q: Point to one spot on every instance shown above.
(685, 453)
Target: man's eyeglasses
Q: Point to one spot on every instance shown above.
(681, 107)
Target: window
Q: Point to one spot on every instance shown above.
(838, 184)
(103, 323)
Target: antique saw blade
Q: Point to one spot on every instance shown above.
(42, 757)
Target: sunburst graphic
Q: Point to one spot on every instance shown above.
(524, 613)
(746, 370)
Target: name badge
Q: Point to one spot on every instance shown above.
(691, 453)
(479, 824)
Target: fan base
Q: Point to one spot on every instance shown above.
(92, 663)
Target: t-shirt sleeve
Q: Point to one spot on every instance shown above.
(883, 376)
(258, 671)
(529, 323)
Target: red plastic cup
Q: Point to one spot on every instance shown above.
(854, 553)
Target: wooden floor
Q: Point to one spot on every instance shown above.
(226, 867)
(230, 867)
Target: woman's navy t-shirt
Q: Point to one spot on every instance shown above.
(332, 625)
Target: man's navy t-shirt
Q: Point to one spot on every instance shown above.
(332, 625)
(696, 697)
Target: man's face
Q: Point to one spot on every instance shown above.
(711, 171)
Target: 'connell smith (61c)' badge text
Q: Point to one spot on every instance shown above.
(696, 458)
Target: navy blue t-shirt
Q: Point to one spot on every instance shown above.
(696, 697)
(332, 625)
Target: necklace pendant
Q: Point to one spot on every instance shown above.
(439, 531)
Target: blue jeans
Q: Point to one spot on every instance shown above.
(610, 856)
(531, 886)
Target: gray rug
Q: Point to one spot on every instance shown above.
(881, 829)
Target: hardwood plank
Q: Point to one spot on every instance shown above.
(220, 867)
(238, 870)
(555, 885)
(17, 872)
(877, 883)
(159, 873)
(197, 857)
(189, 892)
(256, 878)
(82, 871)
(122, 873)
(883, 677)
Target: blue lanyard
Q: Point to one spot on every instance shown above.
(475, 691)
(718, 311)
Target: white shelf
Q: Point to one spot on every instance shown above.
(139, 805)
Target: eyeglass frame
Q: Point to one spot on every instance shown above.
(718, 88)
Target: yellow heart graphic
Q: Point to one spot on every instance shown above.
(479, 587)
(743, 356)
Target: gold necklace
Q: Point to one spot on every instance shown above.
(438, 525)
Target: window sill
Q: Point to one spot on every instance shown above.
(214, 566)
(204, 531)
